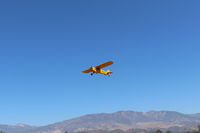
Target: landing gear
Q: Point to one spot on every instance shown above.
(91, 74)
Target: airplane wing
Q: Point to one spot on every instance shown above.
(104, 64)
(87, 71)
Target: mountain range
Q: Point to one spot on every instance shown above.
(121, 120)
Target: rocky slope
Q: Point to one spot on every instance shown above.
(123, 120)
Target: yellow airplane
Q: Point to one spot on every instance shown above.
(98, 69)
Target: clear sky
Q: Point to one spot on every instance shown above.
(45, 44)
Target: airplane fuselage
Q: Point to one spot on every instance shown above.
(96, 70)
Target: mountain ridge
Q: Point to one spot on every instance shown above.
(122, 120)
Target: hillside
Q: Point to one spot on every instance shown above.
(123, 120)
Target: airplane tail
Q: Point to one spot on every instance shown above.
(108, 72)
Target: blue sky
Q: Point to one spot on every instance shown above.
(44, 46)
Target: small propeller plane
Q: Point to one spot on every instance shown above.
(98, 69)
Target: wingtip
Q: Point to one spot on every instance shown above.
(111, 62)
